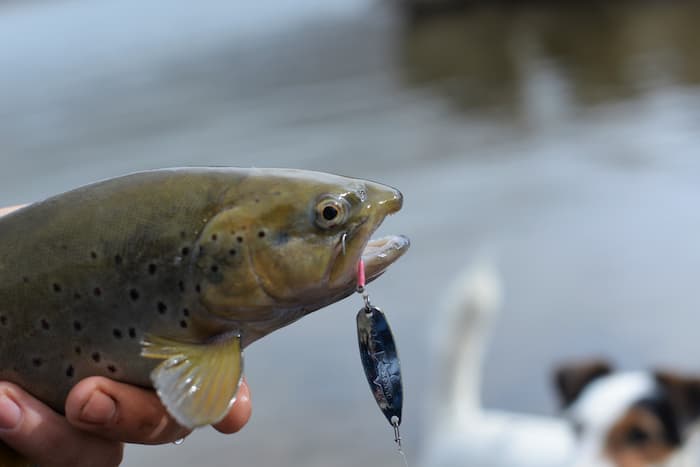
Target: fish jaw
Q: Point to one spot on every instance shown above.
(381, 253)
(381, 201)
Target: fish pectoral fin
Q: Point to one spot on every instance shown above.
(197, 383)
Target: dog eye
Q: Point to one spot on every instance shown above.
(636, 436)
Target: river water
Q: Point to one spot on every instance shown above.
(565, 141)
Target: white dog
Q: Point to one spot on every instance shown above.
(621, 419)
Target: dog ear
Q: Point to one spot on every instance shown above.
(571, 378)
(683, 393)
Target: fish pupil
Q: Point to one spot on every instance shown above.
(330, 213)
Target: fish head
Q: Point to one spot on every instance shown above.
(291, 240)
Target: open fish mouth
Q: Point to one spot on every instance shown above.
(380, 253)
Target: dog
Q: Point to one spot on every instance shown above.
(609, 418)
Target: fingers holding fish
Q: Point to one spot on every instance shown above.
(239, 414)
(46, 438)
(121, 412)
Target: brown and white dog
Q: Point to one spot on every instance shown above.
(610, 419)
(630, 419)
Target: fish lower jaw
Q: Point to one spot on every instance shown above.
(380, 253)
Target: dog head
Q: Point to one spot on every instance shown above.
(628, 419)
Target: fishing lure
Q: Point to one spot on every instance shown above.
(380, 359)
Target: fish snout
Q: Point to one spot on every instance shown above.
(389, 200)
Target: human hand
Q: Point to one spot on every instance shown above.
(101, 415)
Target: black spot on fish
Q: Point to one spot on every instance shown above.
(56, 287)
(185, 251)
(118, 260)
(37, 362)
(96, 357)
(198, 288)
(214, 268)
(93, 255)
(134, 294)
(181, 286)
(70, 371)
(152, 268)
(3, 320)
(261, 234)
(186, 312)
(78, 350)
(25, 279)
(97, 291)
(239, 239)
(117, 333)
(214, 237)
(132, 333)
(232, 252)
(183, 324)
(162, 308)
(45, 325)
(77, 325)
(112, 368)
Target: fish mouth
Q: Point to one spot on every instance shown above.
(380, 253)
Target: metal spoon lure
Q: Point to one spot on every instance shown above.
(380, 359)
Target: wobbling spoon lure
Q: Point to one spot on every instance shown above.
(380, 359)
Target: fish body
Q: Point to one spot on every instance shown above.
(161, 278)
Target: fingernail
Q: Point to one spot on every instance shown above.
(10, 413)
(99, 409)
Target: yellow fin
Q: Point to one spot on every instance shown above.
(197, 383)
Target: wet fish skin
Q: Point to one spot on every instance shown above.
(185, 255)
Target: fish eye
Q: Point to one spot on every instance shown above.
(331, 211)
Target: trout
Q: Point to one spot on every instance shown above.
(161, 278)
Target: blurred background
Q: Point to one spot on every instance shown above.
(564, 138)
